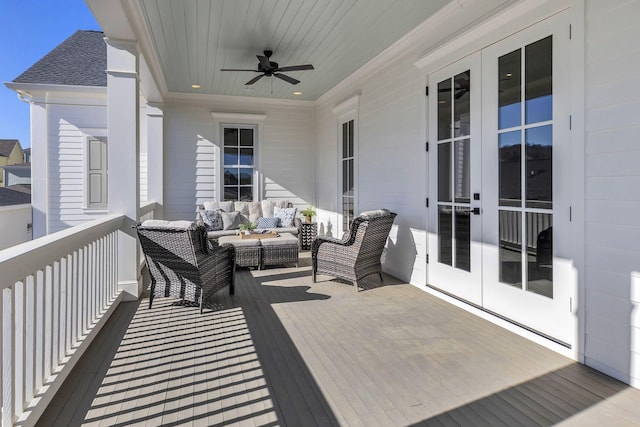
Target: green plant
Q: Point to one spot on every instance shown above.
(247, 227)
(308, 212)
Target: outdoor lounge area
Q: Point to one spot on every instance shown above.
(286, 351)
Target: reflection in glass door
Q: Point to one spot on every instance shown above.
(525, 141)
(454, 208)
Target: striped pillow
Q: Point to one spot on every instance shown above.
(268, 222)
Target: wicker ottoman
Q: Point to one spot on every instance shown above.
(280, 250)
(248, 252)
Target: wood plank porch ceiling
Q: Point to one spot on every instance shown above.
(285, 351)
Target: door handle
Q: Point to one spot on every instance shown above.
(476, 211)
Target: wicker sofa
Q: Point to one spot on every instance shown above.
(182, 264)
(358, 254)
(249, 212)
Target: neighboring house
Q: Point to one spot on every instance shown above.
(502, 132)
(27, 155)
(17, 174)
(10, 154)
(15, 214)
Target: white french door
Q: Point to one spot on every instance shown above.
(511, 150)
(455, 180)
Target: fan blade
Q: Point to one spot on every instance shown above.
(255, 79)
(296, 68)
(264, 61)
(286, 78)
(239, 69)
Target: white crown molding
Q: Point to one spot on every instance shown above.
(348, 105)
(199, 98)
(249, 117)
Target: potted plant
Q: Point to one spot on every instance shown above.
(247, 228)
(308, 213)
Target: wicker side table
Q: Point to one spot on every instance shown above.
(309, 232)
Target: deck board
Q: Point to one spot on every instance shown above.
(285, 351)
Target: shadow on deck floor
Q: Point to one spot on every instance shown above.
(285, 351)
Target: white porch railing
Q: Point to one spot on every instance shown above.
(57, 292)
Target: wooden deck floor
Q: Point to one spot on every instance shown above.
(285, 351)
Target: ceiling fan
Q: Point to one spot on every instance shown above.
(269, 68)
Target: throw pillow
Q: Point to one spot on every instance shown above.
(286, 216)
(268, 222)
(232, 220)
(267, 208)
(212, 219)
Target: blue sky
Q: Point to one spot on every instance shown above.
(29, 29)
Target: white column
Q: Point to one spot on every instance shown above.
(39, 166)
(155, 156)
(124, 157)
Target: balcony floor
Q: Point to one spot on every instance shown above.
(285, 351)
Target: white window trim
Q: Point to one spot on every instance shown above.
(89, 133)
(346, 111)
(241, 120)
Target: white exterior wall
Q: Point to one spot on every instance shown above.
(612, 117)
(15, 224)
(192, 154)
(68, 126)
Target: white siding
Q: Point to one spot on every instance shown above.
(285, 142)
(612, 180)
(66, 162)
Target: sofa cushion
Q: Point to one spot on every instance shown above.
(242, 207)
(225, 206)
(286, 215)
(268, 222)
(212, 219)
(232, 220)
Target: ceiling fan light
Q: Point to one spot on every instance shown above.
(297, 93)
(195, 86)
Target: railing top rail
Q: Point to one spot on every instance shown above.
(147, 207)
(21, 260)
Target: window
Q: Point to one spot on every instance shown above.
(96, 173)
(347, 163)
(239, 153)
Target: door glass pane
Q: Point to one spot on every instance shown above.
(463, 238)
(246, 137)
(462, 104)
(445, 233)
(444, 172)
(538, 81)
(350, 176)
(444, 109)
(509, 90)
(510, 256)
(509, 165)
(540, 253)
(347, 212)
(538, 155)
(230, 156)
(231, 137)
(462, 168)
(246, 156)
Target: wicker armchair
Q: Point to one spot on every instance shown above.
(358, 254)
(181, 264)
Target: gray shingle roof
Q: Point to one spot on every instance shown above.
(15, 195)
(6, 146)
(80, 60)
